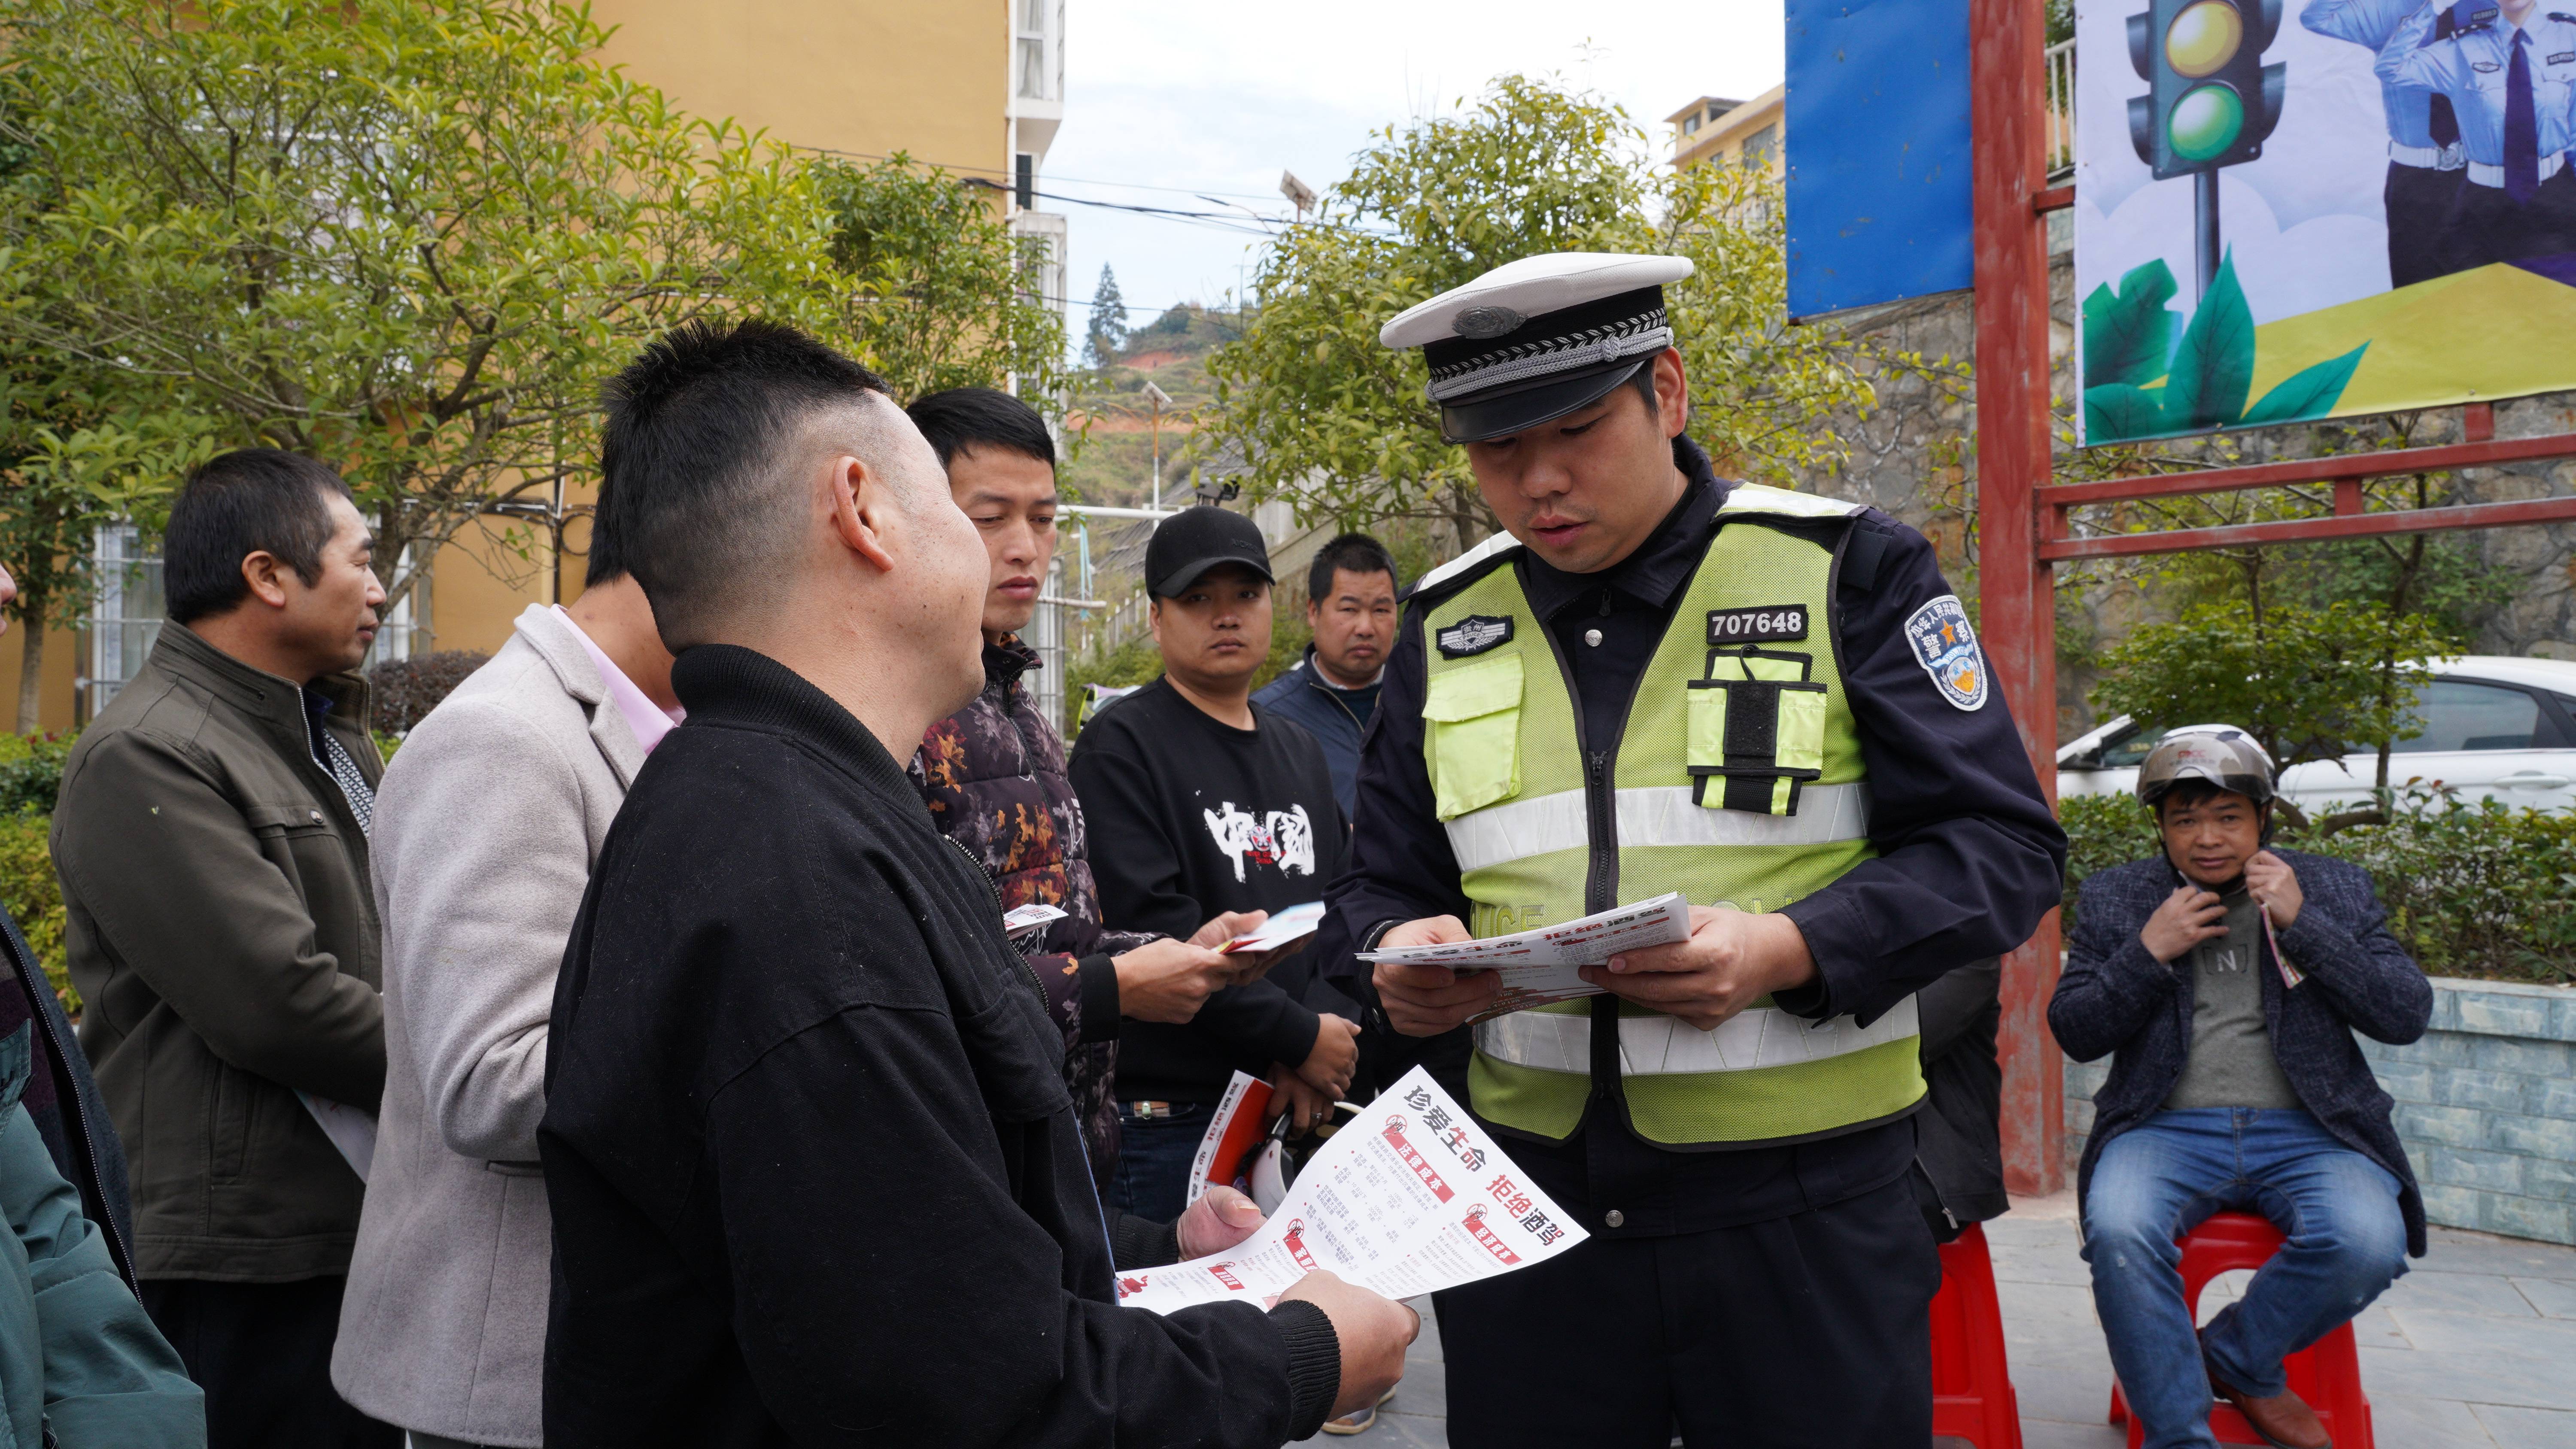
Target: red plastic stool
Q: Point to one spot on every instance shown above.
(2326, 1373)
(1972, 1392)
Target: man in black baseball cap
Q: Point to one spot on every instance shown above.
(1200, 801)
(1194, 540)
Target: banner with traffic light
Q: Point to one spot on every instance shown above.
(2289, 210)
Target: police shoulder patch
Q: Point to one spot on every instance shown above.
(1473, 635)
(1945, 644)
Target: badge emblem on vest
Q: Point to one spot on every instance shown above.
(1945, 644)
(1473, 635)
(1767, 624)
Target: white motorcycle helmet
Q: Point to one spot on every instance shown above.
(2220, 754)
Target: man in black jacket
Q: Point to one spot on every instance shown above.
(814, 1173)
(2227, 981)
(1203, 802)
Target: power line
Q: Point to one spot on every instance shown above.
(1008, 174)
(1221, 220)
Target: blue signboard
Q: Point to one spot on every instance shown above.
(1878, 152)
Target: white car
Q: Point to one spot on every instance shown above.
(2494, 727)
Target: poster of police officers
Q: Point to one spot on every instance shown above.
(2299, 209)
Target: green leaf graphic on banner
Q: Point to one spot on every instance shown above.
(2214, 366)
(2116, 411)
(2127, 337)
(2311, 392)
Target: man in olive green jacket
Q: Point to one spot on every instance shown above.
(212, 844)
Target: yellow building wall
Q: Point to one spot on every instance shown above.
(863, 77)
(63, 661)
(872, 77)
(1722, 140)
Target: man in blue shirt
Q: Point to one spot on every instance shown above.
(2508, 72)
(2425, 158)
(1350, 606)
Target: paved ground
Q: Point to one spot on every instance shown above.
(2473, 1349)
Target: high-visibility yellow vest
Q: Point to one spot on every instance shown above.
(1737, 781)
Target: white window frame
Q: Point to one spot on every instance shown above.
(121, 637)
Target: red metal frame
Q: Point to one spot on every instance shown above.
(2022, 517)
(2016, 599)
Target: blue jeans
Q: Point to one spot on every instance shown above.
(1154, 1156)
(2337, 1208)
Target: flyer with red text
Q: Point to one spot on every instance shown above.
(1412, 1198)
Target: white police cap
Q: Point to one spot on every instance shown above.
(1538, 338)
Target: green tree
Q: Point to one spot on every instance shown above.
(2308, 684)
(1321, 414)
(71, 461)
(1107, 332)
(407, 237)
(76, 451)
(944, 293)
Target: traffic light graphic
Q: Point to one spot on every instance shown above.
(2211, 101)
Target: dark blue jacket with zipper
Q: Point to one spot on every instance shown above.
(1302, 695)
(2117, 998)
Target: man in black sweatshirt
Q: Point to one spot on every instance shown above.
(1200, 801)
(814, 1174)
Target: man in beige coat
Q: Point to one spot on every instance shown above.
(489, 820)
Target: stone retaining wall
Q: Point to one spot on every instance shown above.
(2486, 1104)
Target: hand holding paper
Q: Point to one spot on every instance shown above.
(1426, 1000)
(1216, 1220)
(1411, 1198)
(1731, 960)
(1533, 967)
(1283, 928)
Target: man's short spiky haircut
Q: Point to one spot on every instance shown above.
(1352, 552)
(981, 417)
(700, 488)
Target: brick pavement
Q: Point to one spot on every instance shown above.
(2475, 1348)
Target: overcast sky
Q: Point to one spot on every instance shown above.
(1219, 99)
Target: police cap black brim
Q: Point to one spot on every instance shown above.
(1499, 414)
(1172, 583)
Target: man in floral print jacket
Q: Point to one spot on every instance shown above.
(993, 775)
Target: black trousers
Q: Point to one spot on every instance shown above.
(2486, 225)
(1804, 1331)
(262, 1353)
(2418, 200)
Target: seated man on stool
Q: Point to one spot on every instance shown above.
(2227, 980)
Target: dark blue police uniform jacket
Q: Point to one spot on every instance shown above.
(1969, 856)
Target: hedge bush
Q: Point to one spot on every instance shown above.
(33, 897)
(31, 771)
(2472, 889)
(407, 689)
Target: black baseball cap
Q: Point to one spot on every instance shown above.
(1194, 540)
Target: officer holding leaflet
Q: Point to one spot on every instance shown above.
(1770, 701)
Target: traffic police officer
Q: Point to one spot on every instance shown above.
(2425, 158)
(1769, 701)
(2508, 73)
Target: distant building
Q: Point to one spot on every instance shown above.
(1713, 128)
(977, 89)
